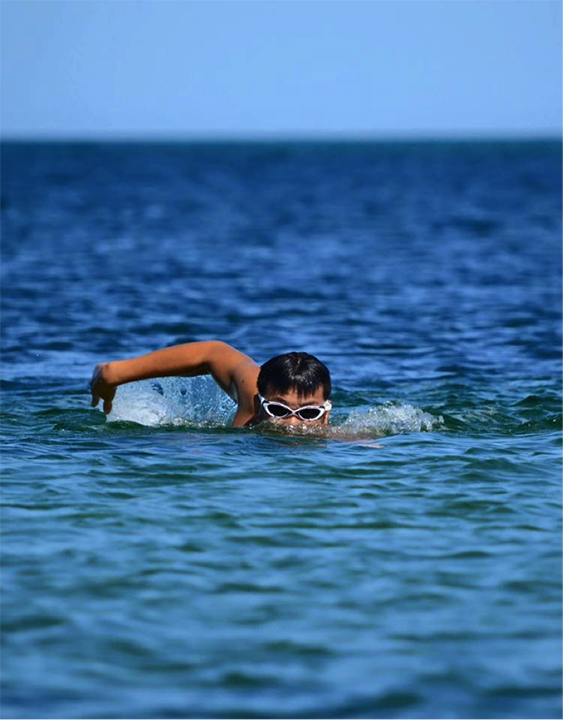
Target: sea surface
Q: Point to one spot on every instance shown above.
(158, 563)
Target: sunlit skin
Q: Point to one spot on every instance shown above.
(234, 372)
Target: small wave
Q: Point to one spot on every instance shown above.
(172, 401)
(551, 422)
(391, 418)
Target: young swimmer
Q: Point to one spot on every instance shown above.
(290, 389)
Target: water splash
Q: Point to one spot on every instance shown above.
(199, 402)
(173, 401)
(391, 418)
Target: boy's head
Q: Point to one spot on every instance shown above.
(295, 381)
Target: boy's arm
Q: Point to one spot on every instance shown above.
(199, 358)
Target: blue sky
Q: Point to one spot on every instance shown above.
(178, 68)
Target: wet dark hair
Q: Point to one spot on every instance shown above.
(297, 371)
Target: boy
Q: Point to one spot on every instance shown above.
(290, 389)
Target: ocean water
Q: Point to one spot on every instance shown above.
(406, 564)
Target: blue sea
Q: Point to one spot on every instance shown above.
(157, 563)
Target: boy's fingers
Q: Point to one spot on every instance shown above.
(107, 406)
(95, 400)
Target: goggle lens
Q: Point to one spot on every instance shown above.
(276, 410)
(309, 413)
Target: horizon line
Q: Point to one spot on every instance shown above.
(287, 136)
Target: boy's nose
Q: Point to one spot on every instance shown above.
(293, 420)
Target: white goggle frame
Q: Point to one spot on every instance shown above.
(325, 407)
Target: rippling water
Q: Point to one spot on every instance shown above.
(407, 564)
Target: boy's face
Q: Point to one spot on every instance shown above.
(294, 401)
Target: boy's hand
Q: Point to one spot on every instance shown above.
(101, 389)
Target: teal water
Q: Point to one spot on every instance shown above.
(407, 564)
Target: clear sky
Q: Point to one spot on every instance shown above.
(282, 67)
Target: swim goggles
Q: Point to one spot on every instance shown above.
(307, 412)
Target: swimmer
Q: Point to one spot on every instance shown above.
(290, 389)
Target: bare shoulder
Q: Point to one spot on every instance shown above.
(236, 373)
(244, 387)
(224, 353)
(240, 365)
(245, 378)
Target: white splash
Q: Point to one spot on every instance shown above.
(389, 419)
(172, 401)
